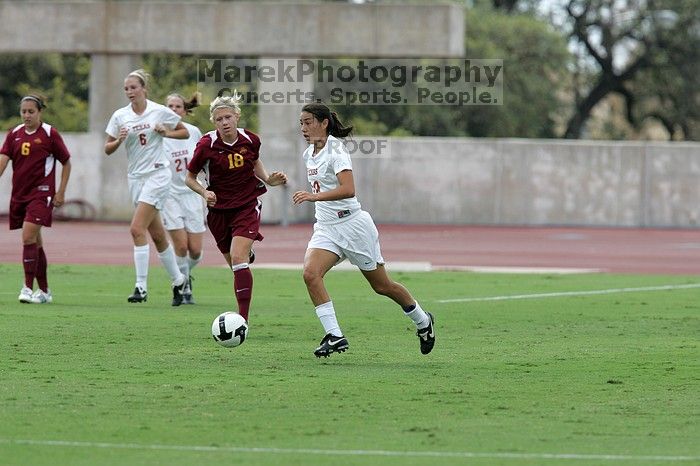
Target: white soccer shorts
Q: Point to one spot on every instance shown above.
(184, 211)
(355, 238)
(153, 188)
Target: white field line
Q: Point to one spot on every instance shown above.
(570, 293)
(329, 452)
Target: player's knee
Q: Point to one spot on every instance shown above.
(311, 276)
(137, 233)
(239, 259)
(28, 239)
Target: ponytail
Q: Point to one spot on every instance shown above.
(322, 112)
(188, 104)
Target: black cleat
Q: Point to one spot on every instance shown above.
(177, 293)
(331, 344)
(427, 336)
(139, 295)
(187, 292)
(251, 256)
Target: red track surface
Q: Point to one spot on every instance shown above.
(662, 251)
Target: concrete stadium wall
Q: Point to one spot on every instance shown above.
(228, 28)
(460, 181)
(534, 182)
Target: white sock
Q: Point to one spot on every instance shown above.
(141, 256)
(418, 316)
(183, 264)
(326, 313)
(167, 258)
(192, 262)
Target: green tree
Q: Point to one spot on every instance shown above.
(62, 79)
(669, 90)
(535, 61)
(644, 50)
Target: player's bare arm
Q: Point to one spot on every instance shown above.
(273, 179)
(60, 196)
(193, 184)
(179, 132)
(3, 163)
(113, 143)
(346, 189)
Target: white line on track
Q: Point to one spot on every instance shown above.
(328, 452)
(571, 293)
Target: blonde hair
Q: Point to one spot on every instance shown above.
(222, 101)
(143, 77)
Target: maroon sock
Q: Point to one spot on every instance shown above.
(29, 261)
(243, 286)
(41, 266)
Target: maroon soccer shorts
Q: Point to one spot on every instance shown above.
(38, 210)
(243, 221)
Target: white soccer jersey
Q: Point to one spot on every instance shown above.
(321, 170)
(180, 152)
(144, 146)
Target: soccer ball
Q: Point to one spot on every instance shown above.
(229, 329)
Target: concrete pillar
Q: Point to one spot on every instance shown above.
(282, 146)
(107, 73)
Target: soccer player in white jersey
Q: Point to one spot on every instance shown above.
(343, 230)
(141, 126)
(183, 213)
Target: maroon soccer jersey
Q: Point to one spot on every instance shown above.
(33, 161)
(229, 169)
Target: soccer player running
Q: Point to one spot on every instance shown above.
(34, 147)
(343, 230)
(183, 212)
(236, 177)
(141, 127)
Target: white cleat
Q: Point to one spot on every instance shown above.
(40, 297)
(25, 295)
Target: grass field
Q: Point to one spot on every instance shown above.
(585, 379)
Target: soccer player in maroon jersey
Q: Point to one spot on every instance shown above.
(236, 177)
(34, 147)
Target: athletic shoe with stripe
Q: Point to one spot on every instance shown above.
(25, 295)
(187, 292)
(426, 336)
(138, 296)
(41, 297)
(331, 344)
(177, 292)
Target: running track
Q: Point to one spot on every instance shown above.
(646, 251)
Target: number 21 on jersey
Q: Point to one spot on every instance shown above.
(180, 164)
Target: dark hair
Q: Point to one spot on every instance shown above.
(321, 112)
(193, 101)
(36, 98)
